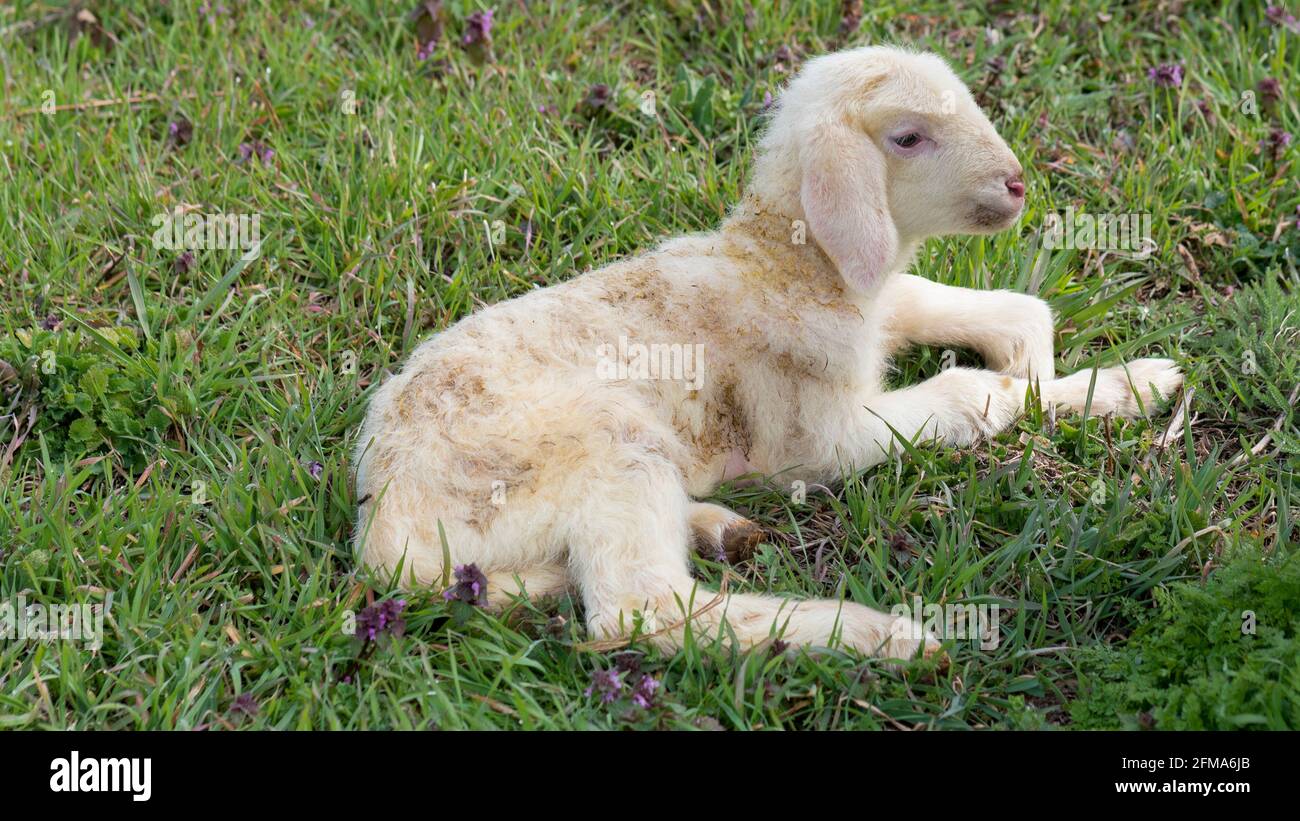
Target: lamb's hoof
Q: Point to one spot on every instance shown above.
(909, 641)
(740, 539)
(934, 652)
(722, 533)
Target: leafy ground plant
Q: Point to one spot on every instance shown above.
(93, 390)
(1223, 655)
(176, 423)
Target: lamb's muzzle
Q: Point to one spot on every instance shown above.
(510, 435)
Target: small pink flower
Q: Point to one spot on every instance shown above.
(608, 683)
(1279, 16)
(470, 586)
(245, 705)
(258, 149)
(643, 694)
(380, 619)
(1168, 75)
(478, 29)
(1276, 142)
(1270, 89)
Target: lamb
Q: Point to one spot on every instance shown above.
(508, 442)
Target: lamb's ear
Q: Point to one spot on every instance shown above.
(843, 195)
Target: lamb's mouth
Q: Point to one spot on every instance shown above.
(986, 217)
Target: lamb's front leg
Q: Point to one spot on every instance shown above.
(963, 405)
(958, 407)
(1013, 332)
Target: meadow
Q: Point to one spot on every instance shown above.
(180, 390)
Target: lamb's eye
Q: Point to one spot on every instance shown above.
(907, 140)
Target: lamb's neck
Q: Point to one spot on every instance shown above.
(774, 188)
(779, 230)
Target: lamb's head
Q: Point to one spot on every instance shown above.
(879, 148)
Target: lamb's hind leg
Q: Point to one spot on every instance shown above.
(533, 583)
(628, 555)
(389, 541)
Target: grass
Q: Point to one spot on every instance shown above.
(209, 489)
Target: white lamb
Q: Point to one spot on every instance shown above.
(550, 472)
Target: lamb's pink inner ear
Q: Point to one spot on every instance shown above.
(844, 199)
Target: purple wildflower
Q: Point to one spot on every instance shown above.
(180, 131)
(643, 695)
(1279, 16)
(597, 99)
(50, 323)
(767, 100)
(258, 149)
(378, 619)
(245, 705)
(470, 586)
(428, 17)
(315, 469)
(782, 57)
(628, 662)
(1276, 141)
(183, 263)
(212, 13)
(608, 683)
(478, 29)
(1270, 89)
(850, 16)
(1169, 75)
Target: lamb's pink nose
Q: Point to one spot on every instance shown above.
(1016, 187)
